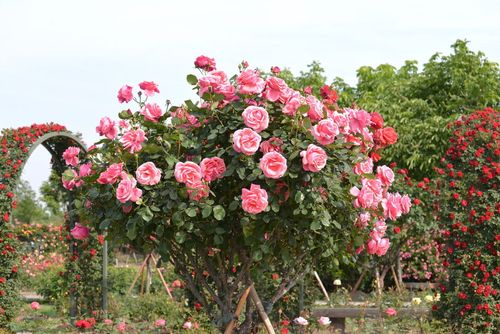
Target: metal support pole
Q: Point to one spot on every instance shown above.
(105, 276)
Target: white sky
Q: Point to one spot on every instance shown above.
(64, 61)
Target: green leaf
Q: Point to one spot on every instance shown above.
(191, 79)
(219, 212)
(315, 225)
(177, 218)
(180, 237)
(146, 214)
(191, 212)
(206, 211)
(299, 197)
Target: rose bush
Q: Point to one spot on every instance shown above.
(470, 213)
(256, 178)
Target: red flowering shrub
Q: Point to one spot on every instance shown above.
(470, 211)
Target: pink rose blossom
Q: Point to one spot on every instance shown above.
(301, 321)
(69, 180)
(273, 144)
(70, 155)
(205, 63)
(358, 120)
(324, 321)
(85, 169)
(314, 158)
(197, 190)
(392, 206)
(125, 125)
(385, 175)
(256, 118)
(405, 204)
(275, 89)
(149, 88)
(212, 168)
(121, 327)
(133, 139)
(35, 306)
(127, 190)
(111, 174)
(152, 112)
(315, 112)
(379, 230)
(187, 325)
(325, 131)
(363, 220)
(187, 172)
(275, 69)
(293, 104)
(250, 82)
(391, 312)
(216, 82)
(148, 174)
(254, 200)
(273, 165)
(107, 322)
(160, 323)
(370, 194)
(378, 246)
(246, 141)
(80, 232)
(341, 119)
(125, 94)
(107, 128)
(364, 167)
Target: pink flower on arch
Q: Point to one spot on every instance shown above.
(148, 174)
(70, 155)
(276, 88)
(273, 165)
(80, 232)
(149, 88)
(246, 141)
(212, 168)
(133, 139)
(107, 127)
(111, 174)
(125, 94)
(254, 200)
(152, 112)
(314, 158)
(325, 131)
(256, 118)
(250, 82)
(127, 190)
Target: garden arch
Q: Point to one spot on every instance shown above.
(16, 146)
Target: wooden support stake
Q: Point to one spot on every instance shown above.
(377, 281)
(139, 273)
(261, 311)
(358, 282)
(165, 284)
(395, 278)
(322, 286)
(239, 308)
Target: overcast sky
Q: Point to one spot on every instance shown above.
(63, 61)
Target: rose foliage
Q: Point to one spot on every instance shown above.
(254, 178)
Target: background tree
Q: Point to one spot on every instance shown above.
(29, 209)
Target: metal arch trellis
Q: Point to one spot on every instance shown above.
(55, 142)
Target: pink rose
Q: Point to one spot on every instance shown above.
(85, 170)
(149, 88)
(127, 190)
(125, 125)
(370, 194)
(212, 168)
(275, 69)
(392, 206)
(358, 120)
(378, 246)
(187, 325)
(152, 112)
(187, 172)
(250, 82)
(125, 94)
(273, 165)
(385, 175)
(111, 174)
(315, 112)
(405, 204)
(379, 230)
(35, 306)
(256, 118)
(70, 155)
(325, 131)
(275, 89)
(133, 139)
(216, 82)
(121, 327)
(341, 119)
(324, 321)
(385, 136)
(273, 144)
(205, 63)
(363, 220)
(391, 312)
(79, 232)
(107, 322)
(69, 179)
(364, 167)
(301, 321)
(246, 141)
(148, 174)
(160, 323)
(293, 104)
(197, 190)
(253, 200)
(314, 158)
